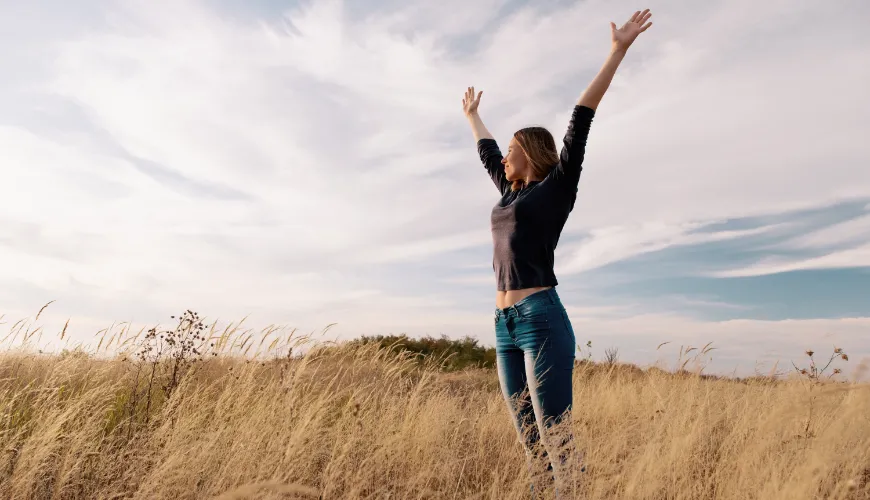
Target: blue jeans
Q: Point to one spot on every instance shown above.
(535, 348)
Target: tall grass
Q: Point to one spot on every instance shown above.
(365, 421)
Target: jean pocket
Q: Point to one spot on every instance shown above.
(537, 317)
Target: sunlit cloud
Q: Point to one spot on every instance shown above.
(310, 165)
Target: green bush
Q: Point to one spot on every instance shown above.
(453, 354)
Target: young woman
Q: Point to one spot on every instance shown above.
(535, 342)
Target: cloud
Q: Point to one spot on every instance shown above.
(699, 302)
(739, 268)
(313, 165)
(425, 248)
(837, 235)
(853, 257)
(836, 245)
(471, 279)
(607, 245)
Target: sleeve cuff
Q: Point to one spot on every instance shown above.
(583, 111)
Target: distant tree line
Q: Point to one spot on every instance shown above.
(454, 354)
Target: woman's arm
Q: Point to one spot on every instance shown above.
(574, 149)
(593, 94)
(477, 127)
(487, 148)
(621, 40)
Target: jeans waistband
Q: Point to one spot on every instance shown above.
(548, 296)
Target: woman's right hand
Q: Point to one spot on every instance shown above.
(470, 102)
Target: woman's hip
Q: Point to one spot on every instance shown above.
(537, 322)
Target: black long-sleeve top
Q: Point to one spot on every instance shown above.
(526, 224)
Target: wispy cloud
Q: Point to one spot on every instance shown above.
(846, 233)
(613, 244)
(313, 163)
(854, 257)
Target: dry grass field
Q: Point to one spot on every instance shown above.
(185, 414)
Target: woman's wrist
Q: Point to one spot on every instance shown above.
(618, 50)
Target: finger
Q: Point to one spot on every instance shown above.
(634, 17)
(645, 17)
(612, 26)
(646, 27)
(463, 103)
(479, 94)
(642, 15)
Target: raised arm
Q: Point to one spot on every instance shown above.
(487, 148)
(620, 40)
(574, 148)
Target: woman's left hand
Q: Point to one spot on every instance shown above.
(623, 37)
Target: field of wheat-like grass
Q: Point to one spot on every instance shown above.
(178, 415)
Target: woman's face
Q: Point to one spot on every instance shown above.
(516, 165)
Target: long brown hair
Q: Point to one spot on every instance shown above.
(540, 149)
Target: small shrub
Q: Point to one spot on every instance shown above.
(611, 355)
(452, 354)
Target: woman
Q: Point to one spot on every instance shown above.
(535, 342)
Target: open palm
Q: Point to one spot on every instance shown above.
(624, 36)
(471, 101)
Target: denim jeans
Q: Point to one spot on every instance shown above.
(535, 348)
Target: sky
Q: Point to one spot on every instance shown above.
(308, 164)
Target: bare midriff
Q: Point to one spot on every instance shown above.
(511, 297)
